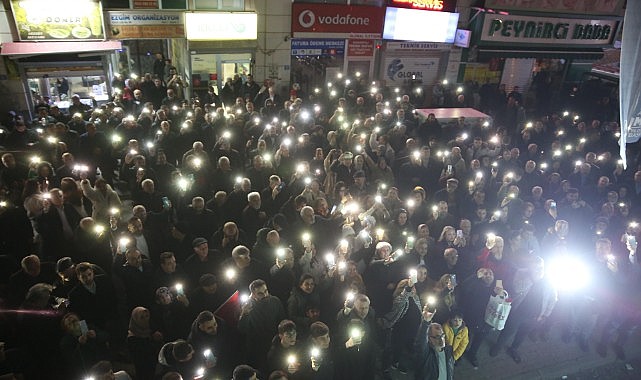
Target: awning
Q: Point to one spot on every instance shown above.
(523, 52)
(34, 48)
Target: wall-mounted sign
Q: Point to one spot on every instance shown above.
(547, 30)
(462, 38)
(403, 70)
(145, 24)
(46, 20)
(594, 7)
(414, 47)
(145, 4)
(302, 47)
(360, 48)
(426, 5)
(218, 26)
(337, 21)
(402, 24)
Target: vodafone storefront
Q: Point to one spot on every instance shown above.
(329, 39)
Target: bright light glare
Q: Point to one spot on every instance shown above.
(568, 273)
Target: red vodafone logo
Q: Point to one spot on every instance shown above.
(339, 21)
(307, 18)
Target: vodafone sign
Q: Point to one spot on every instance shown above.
(337, 21)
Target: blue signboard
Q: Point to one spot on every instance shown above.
(303, 46)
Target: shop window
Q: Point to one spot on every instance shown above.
(173, 4)
(109, 4)
(222, 5)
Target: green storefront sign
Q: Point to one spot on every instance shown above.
(542, 30)
(559, 31)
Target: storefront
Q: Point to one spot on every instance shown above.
(203, 39)
(60, 50)
(146, 36)
(415, 59)
(220, 45)
(331, 39)
(519, 47)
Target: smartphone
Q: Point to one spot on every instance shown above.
(632, 240)
(449, 169)
(499, 283)
(165, 203)
(553, 204)
(459, 233)
(453, 280)
(414, 276)
(281, 186)
(83, 327)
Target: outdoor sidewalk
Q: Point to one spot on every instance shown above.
(551, 360)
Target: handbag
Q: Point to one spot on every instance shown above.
(497, 310)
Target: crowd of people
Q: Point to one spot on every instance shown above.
(308, 238)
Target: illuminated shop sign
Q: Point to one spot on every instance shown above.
(221, 26)
(401, 24)
(427, 5)
(545, 30)
(46, 20)
(336, 21)
(146, 24)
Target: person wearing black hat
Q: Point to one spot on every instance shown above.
(359, 189)
(244, 372)
(202, 261)
(207, 296)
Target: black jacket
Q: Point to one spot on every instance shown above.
(426, 359)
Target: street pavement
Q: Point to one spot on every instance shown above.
(550, 360)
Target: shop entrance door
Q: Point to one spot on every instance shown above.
(231, 68)
(211, 69)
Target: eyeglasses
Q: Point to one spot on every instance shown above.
(442, 336)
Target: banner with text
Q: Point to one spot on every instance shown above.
(46, 20)
(548, 30)
(337, 21)
(304, 47)
(360, 48)
(146, 24)
(402, 70)
(414, 47)
(145, 4)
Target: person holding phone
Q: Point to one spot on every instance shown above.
(401, 324)
(432, 356)
(82, 345)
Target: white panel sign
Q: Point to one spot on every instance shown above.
(401, 70)
(221, 26)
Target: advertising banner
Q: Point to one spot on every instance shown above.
(629, 84)
(401, 24)
(403, 70)
(426, 5)
(336, 21)
(302, 47)
(221, 26)
(60, 20)
(414, 47)
(360, 48)
(594, 7)
(145, 24)
(547, 30)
